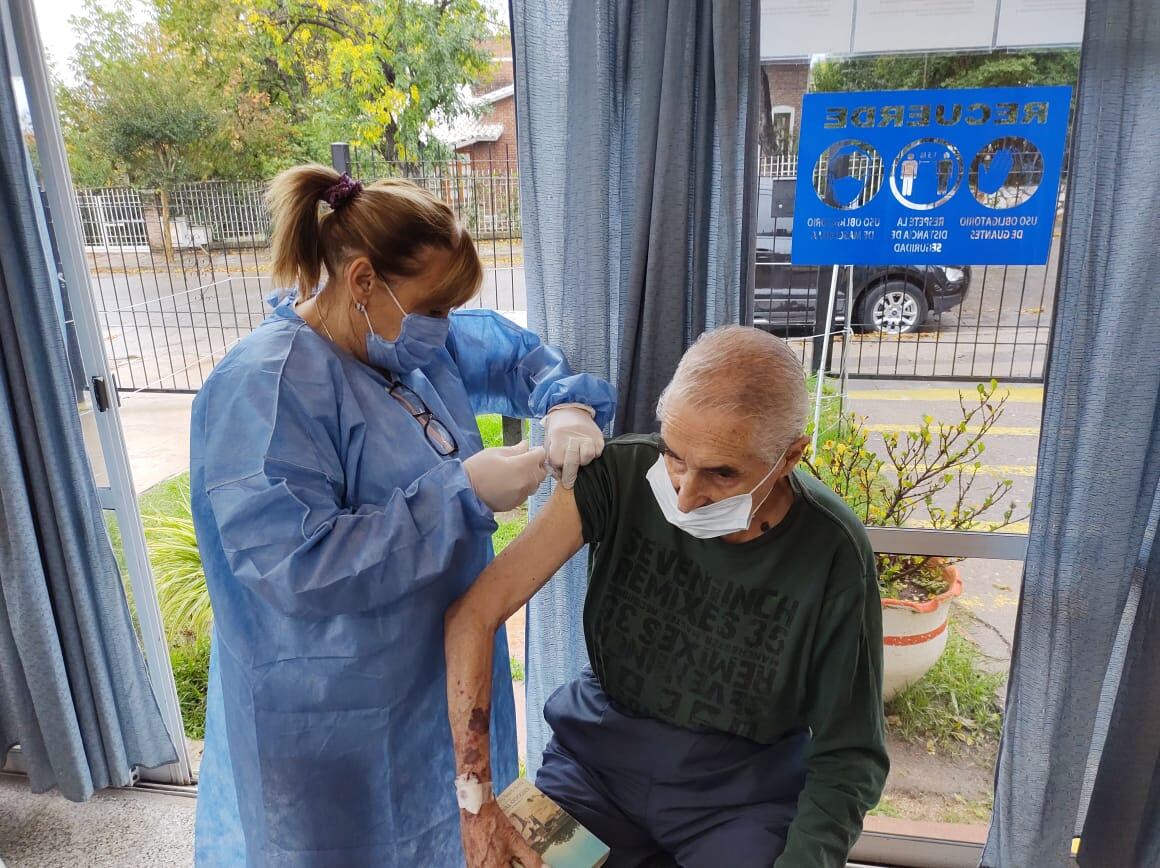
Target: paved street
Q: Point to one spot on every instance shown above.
(166, 325)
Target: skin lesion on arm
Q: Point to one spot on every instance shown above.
(524, 567)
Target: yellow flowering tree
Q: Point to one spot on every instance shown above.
(931, 475)
(375, 72)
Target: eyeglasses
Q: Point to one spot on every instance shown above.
(438, 434)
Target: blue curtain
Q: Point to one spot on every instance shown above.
(633, 118)
(74, 693)
(1081, 732)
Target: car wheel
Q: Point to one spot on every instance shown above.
(893, 308)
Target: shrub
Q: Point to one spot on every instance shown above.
(191, 672)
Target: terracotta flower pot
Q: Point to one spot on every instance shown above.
(914, 635)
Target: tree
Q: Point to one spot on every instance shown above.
(377, 72)
(769, 140)
(906, 72)
(137, 116)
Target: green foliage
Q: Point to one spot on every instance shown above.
(136, 116)
(243, 88)
(177, 569)
(913, 71)
(885, 808)
(178, 575)
(509, 530)
(517, 669)
(379, 71)
(954, 704)
(190, 661)
(937, 461)
(830, 421)
(491, 429)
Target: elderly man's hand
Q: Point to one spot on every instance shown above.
(572, 440)
(491, 841)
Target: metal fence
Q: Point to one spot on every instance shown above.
(997, 326)
(482, 188)
(180, 276)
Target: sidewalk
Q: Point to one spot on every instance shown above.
(156, 436)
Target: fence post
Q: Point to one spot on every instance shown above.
(166, 217)
(340, 156)
(513, 431)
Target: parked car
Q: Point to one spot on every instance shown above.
(894, 299)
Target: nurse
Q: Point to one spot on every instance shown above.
(343, 499)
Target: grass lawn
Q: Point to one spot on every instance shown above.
(954, 704)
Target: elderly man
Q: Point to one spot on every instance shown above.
(732, 714)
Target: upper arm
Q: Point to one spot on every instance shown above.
(507, 369)
(494, 356)
(847, 654)
(552, 537)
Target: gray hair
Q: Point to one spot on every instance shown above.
(747, 372)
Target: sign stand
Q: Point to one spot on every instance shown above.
(821, 368)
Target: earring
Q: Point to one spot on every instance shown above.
(362, 308)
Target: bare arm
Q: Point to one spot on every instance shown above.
(524, 567)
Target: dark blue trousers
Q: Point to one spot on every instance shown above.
(659, 795)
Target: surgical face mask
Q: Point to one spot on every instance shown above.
(731, 515)
(420, 338)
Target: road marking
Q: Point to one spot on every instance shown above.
(1007, 470)
(995, 469)
(1015, 394)
(1021, 527)
(998, 430)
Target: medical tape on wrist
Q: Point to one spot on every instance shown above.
(472, 793)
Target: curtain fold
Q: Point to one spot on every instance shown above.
(74, 693)
(1081, 681)
(1122, 826)
(633, 120)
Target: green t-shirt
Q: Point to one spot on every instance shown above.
(755, 638)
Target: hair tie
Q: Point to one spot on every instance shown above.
(341, 191)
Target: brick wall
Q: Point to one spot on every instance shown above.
(787, 83)
(502, 72)
(502, 112)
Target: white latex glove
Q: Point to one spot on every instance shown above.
(503, 477)
(572, 440)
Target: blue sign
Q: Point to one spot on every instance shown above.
(937, 177)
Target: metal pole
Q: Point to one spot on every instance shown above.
(340, 156)
(821, 368)
(847, 334)
(66, 220)
(821, 329)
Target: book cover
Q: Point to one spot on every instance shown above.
(553, 833)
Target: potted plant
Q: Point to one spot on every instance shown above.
(927, 476)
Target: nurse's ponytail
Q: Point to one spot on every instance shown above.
(293, 201)
(322, 219)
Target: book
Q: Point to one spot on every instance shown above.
(550, 830)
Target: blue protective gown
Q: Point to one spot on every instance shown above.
(334, 538)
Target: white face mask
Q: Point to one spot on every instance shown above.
(731, 515)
